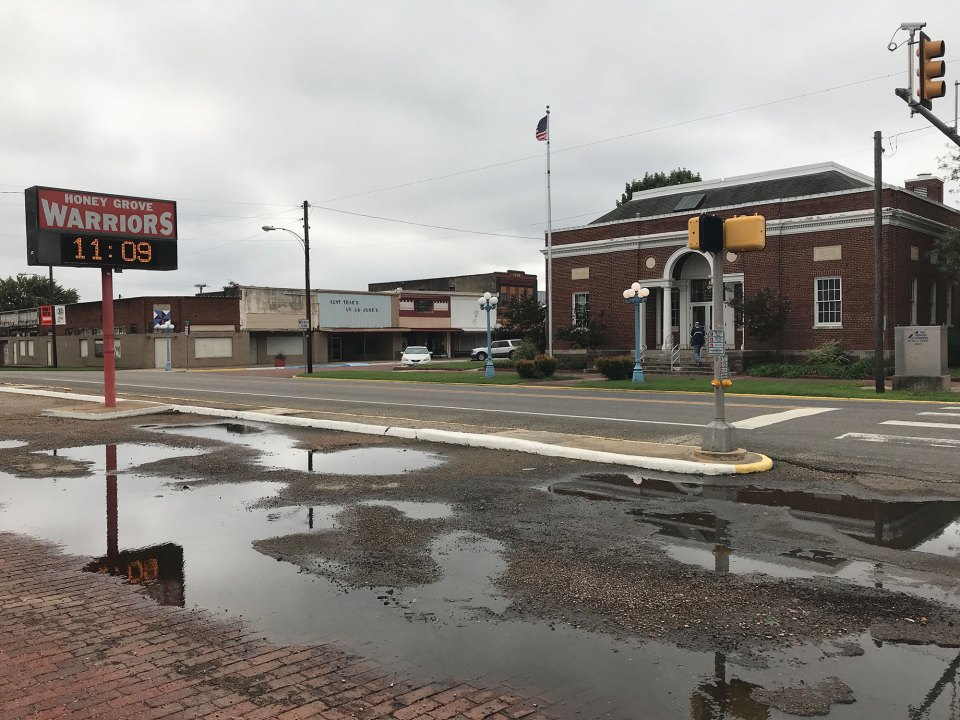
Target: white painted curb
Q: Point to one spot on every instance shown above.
(491, 442)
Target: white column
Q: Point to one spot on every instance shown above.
(667, 296)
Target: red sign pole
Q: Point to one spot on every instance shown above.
(109, 361)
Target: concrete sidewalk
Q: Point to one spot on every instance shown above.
(683, 459)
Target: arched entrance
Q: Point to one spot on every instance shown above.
(687, 284)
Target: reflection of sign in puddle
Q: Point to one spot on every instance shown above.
(279, 451)
(158, 569)
(8, 444)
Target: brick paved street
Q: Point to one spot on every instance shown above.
(81, 645)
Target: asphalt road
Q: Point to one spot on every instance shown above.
(909, 439)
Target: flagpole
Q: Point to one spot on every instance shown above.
(549, 248)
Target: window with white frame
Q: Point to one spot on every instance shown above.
(933, 304)
(827, 305)
(913, 301)
(581, 308)
(84, 348)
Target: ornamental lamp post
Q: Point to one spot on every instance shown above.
(488, 302)
(167, 329)
(636, 295)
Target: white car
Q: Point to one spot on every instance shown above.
(499, 348)
(415, 355)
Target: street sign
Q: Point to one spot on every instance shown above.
(304, 324)
(724, 367)
(716, 345)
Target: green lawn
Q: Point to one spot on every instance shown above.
(855, 389)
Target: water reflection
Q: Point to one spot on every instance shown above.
(717, 698)
(279, 451)
(931, 526)
(159, 568)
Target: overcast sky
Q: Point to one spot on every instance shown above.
(424, 112)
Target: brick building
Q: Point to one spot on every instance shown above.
(819, 255)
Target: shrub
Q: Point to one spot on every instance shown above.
(528, 369)
(546, 364)
(861, 369)
(619, 367)
(571, 362)
(827, 354)
(527, 350)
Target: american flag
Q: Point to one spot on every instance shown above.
(542, 129)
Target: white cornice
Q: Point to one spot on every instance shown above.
(790, 226)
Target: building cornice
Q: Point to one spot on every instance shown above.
(891, 217)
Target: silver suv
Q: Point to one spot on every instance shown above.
(499, 348)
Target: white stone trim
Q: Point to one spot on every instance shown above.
(789, 226)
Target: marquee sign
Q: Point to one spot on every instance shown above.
(82, 229)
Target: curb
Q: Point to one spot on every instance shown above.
(449, 437)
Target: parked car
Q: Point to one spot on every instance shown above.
(415, 355)
(499, 348)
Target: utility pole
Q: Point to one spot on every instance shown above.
(309, 301)
(878, 374)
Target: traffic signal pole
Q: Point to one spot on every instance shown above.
(904, 94)
(719, 436)
(929, 69)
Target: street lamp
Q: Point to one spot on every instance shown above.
(305, 241)
(167, 329)
(636, 295)
(488, 302)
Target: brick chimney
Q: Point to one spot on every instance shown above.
(926, 185)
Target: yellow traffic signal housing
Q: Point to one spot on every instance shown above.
(705, 233)
(745, 233)
(928, 87)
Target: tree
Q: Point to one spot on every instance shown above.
(231, 289)
(30, 291)
(764, 315)
(679, 176)
(946, 249)
(524, 317)
(588, 329)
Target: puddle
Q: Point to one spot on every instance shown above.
(195, 548)
(8, 444)
(931, 526)
(278, 451)
(127, 455)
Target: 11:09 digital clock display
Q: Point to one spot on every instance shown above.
(118, 252)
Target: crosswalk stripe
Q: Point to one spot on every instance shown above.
(900, 439)
(913, 423)
(773, 418)
(940, 414)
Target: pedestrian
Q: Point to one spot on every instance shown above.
(696, 341)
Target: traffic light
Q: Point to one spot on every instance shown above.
(705, 233)
(745, 233)
(929, 69)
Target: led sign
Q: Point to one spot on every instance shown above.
(84, 229)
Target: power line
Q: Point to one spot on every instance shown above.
(426, 225)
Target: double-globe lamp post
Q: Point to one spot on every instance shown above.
(305, 241)
(636, 295)
(488, 302)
